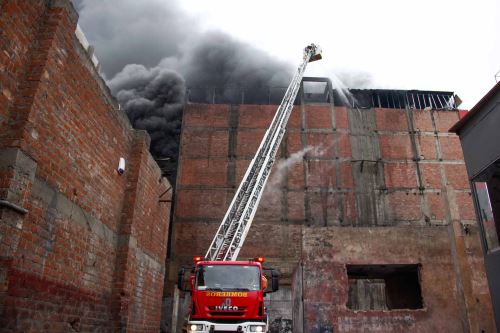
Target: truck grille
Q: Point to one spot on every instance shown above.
(227, 313)
(239, 313)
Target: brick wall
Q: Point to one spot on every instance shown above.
(82, 248)
(451, 304)
(18, 28)
(397, 173)
(413, 178)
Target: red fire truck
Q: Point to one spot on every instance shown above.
(228, 296)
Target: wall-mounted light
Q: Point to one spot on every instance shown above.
(121, 166)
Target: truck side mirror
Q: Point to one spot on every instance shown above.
(181, 284)
(275, 283)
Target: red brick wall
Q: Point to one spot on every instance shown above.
(19, 21)
(399, 169)
(82, 248)
(211, 166)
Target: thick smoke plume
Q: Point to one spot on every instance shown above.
(153, 100)
(134, 32)
(151, 51)
(215, 60)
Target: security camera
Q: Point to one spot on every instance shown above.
(121, 166)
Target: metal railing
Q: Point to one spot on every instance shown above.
(402, 99)
(354, 98)
(235, 95)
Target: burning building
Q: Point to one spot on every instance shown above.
(368, 212)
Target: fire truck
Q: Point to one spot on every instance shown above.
(228, 295)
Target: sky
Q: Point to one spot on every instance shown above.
(426, 45)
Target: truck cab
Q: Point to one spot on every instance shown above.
(228, 296)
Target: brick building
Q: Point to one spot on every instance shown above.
(368, 213)
(82, 248)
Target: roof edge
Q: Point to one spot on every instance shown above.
(475, 109)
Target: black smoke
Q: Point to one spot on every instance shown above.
(134, 31)
(217, 60)
(153, 100)
(152, 52)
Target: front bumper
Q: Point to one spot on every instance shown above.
(209, 326)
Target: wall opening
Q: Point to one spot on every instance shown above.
(384, 287)
(316, 90)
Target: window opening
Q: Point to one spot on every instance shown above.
(384, 287)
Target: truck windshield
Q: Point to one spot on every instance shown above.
(228, 277)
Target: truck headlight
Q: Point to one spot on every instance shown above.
(257, 328)
(196, 327)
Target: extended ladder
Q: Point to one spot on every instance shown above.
(234, 227)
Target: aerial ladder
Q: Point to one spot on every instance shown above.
(228, 295)
(233, 230)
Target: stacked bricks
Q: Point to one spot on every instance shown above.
(350, 186)
(82, 248)
(420, 169)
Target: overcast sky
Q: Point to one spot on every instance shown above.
(425, 45)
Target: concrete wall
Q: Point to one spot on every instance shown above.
(376, 186)
(82, 248)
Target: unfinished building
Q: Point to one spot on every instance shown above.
(368, 213)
